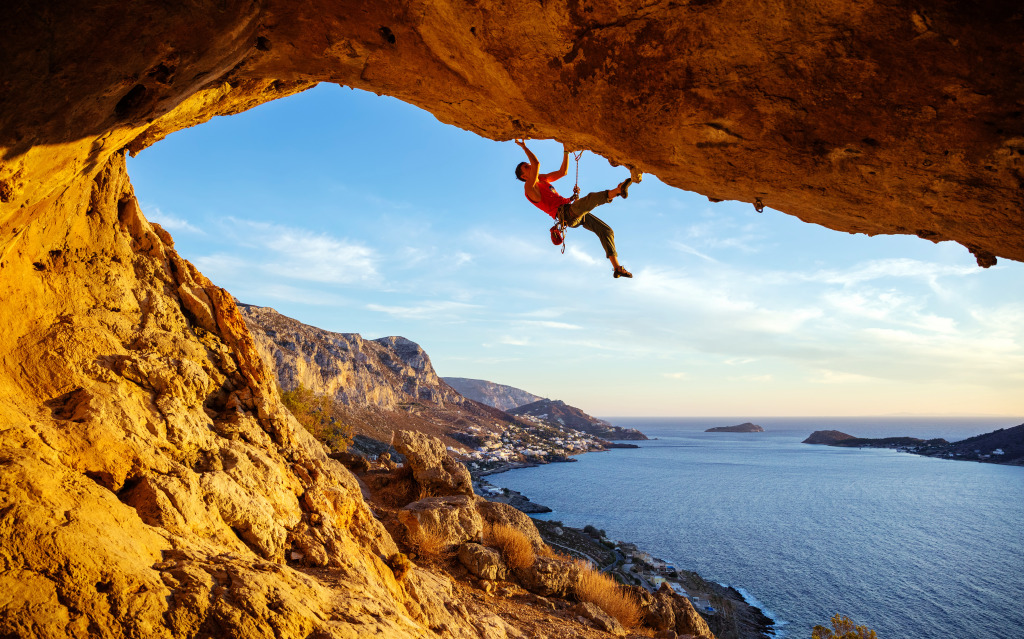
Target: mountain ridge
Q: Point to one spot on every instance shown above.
(493, 394)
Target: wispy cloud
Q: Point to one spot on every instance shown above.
(426, 310)
(686, 248)
(891, 268)
(825, 376)
(513, 341)
(575, 253)
(171, 222)
(300, 254)
(550, 324)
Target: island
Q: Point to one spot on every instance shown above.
(827, 437)
(745, 427)
(1003, 446)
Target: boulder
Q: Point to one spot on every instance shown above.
(599, 618)
(482, 561)
(498, 513)
(549, 576)
(687, 620)
(452, 519)
(436, 474)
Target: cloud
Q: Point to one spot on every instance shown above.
(514, 341)
(299, 254)
(426, 310)
(686, 248)
(824, 376)
(676, 375)
(578, 255)
(893, 267)
(550, 324)
(171, 222)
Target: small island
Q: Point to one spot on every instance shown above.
(745, 427)
(826, 437)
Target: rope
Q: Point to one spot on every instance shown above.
(561, 224)
(576, 188)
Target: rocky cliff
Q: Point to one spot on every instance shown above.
(151, 483)
(380, 373)
(499, 396)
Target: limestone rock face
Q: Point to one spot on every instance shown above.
(435, 473)
(152, 484)
(355, 371)
(863, 117)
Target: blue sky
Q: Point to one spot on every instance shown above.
(359, 213)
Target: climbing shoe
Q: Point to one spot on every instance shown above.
(624, 188)
(621, 272)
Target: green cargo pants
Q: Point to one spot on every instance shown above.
(577, 214)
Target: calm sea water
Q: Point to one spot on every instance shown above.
(913, 547)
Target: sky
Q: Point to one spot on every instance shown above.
(358, 213)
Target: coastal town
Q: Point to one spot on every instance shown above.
(537, 441)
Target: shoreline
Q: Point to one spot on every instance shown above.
(734, 616)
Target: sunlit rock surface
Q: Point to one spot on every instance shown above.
(151, 483)
(864, 117)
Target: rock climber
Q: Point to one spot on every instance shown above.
(538, 189)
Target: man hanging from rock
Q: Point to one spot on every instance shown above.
(538, 190)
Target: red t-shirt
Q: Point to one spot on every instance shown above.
(550, 200)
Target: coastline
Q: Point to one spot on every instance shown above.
(729, 613)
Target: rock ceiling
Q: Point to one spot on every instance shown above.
(862, 116)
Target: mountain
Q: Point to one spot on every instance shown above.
(384, 385)
(558, 412)
(497, 395)
(745, 427)
(356, 372)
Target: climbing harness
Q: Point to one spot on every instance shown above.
(758, 205)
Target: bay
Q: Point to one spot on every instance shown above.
(913, 547)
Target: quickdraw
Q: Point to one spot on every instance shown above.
(576, 188)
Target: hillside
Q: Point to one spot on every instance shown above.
(385, 385)
(558, 412)
(497, 395)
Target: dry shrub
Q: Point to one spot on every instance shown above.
(513, 544)
(428, 542)
(601, 589)
(548, 551)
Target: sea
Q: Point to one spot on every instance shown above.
(909, 546)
